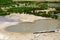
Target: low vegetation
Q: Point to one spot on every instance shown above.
(27, 10)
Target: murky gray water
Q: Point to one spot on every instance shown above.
(4, 19)
(37, 26)
(54, 4)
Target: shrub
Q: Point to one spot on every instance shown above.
(54, 16)
(43, 6)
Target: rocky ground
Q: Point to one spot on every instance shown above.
(29, 36)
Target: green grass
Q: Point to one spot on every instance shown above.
(27, 10)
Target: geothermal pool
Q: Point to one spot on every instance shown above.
(40, 25)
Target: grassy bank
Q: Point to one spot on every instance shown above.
(26, 7)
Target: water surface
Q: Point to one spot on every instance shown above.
(37, 26)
